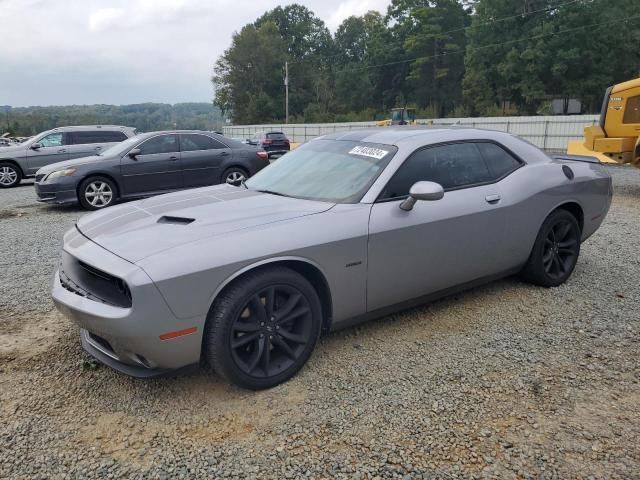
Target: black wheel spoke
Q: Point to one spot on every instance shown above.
(567, 243)
(564, 230)
(258, 309)
(282, 345)
(290, 305)
(561, 265)
(270, 301)
(293, 315)
(257, 354)
(266, 356)
(245, 327)
(244, 339)
(293, 337)
(552, 235)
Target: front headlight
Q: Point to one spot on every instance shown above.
(60, 173)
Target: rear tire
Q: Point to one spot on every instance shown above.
(263, 328)
(10, 175)
(555, 251)
(96, 193)
(234, 176)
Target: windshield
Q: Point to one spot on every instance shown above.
(326, 170)
(120, 148)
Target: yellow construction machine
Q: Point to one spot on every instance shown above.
(616, 138)
(399, 116)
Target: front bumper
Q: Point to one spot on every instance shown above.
(57, 193)
(127, 339)
(101, 352)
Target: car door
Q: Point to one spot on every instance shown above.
(156, 168)
(438, 244)
(84, 143)
(52, 149)
(201, 158)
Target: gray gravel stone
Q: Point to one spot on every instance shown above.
(503, 381)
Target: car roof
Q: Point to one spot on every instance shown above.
(410, 134)
(90, 127)
(409, 138)
(225, 140)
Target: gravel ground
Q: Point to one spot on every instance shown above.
(503, 381)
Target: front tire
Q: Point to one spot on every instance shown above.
(555, 252)
(10, 175)
(263, 328)
(96, 193)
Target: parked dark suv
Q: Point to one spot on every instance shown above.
(149, 164)
(57, 145)
(274, 143)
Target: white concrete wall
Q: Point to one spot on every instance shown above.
(548, 132)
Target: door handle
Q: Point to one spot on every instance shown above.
(98, 148)
(492, 199)
(224, 154)
(173, 158)
(62, 150)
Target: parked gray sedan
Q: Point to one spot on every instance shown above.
(146, 165)
(347, 227)
(22, 160)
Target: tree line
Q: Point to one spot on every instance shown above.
(146, 117)
(443, 57)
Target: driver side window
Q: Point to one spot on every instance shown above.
(453, 166)
(160, 144)
(52, 140)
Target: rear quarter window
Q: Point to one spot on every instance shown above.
(499, 161)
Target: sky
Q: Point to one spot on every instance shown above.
(63, 52)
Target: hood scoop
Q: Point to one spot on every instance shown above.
(176, 220)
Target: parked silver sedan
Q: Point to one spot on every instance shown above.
(347, 227)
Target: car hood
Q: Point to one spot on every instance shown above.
(12, 151)
(136, 230)
(76, 162)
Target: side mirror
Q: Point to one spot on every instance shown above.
(36, 146)
(133, 153)
(422, 191)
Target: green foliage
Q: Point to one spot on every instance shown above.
(146, 117)
(444, 57)
(540, 52)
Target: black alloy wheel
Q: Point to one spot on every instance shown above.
(561, 247)
(271, 332)
(262, 328)
(555, 251)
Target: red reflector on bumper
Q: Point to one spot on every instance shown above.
(178, 333)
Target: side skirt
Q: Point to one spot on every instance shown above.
(422, 300)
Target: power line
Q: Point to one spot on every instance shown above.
(481, 47)
(490, 22)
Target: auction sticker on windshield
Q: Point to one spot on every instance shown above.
(376, 153)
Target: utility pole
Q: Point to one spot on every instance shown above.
(286, 92)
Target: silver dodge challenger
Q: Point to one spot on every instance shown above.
(350, 226)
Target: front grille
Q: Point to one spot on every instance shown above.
(92, 283)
